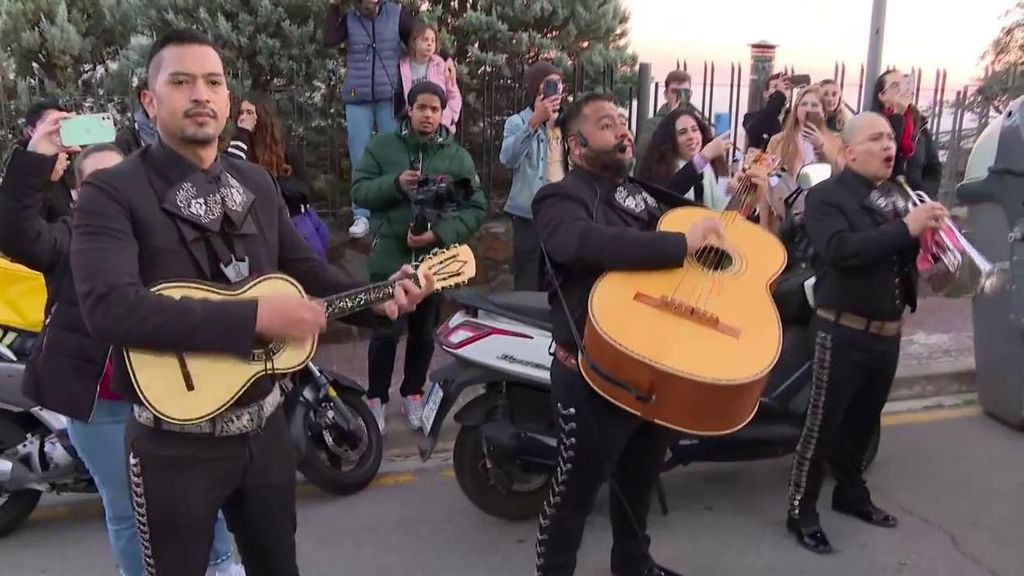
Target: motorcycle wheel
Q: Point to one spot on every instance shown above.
(15, 507)
(334, 463)
(472, 470)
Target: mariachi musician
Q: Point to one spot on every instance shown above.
(866, 277)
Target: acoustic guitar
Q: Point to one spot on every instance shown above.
(691, 347)
(188, 387)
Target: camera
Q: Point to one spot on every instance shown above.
(433, 196)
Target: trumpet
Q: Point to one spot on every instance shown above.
(949, 257)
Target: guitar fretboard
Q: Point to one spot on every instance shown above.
(355, 300)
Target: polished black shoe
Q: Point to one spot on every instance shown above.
(811, 536)
(871, 514)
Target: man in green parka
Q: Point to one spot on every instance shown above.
(396, 169)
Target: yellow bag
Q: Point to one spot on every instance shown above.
(22, 297)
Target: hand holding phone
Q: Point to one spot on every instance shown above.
(87, 129)
(46, 138)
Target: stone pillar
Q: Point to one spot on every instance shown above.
(762, 65)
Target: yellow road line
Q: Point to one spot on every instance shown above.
(94, 508)
(936, 415)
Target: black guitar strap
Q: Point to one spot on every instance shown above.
(233, 262)
(591, 365)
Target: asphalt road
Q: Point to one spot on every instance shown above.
(954, 477)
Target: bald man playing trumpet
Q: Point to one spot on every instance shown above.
(866, 243)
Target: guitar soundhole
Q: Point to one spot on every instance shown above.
(713, 258)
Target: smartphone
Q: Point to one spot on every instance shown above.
(87, 129)
(814, 117)
(551, 88)
(722, 122)
(798, 80)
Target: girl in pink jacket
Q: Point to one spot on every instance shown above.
(423, 64)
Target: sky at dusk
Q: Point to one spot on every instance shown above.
(813, 35)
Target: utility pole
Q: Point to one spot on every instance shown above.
(874, 64)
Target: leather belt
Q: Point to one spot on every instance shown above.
(231, 422)
(878, 327)
(568, 359)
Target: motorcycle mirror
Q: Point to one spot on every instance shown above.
(813, 174)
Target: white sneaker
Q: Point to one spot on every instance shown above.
(378, 411)
(359, 229)
(412, 407)
(235, 569)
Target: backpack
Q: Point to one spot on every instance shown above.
(304, 217)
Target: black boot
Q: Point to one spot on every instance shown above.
(809, 534)
(867, 513)
(657, 570)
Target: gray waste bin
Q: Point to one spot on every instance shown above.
(993, 190)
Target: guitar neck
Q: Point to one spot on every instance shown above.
(359, 299)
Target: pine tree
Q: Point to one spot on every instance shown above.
(61, 47)
(1005, 58)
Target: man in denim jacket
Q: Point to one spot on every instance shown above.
(532, 147)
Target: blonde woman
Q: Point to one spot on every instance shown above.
(804, 140)
(832, 100)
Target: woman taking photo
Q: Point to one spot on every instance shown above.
(677, 140)
(423, 64)
(917, 158)
(804, 140)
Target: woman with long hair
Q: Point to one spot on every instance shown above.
(917, 157)
(836, 114)
(259, 138)
(677, 140)
(804, 140)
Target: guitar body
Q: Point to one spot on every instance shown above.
(697, 341)
(213, 381)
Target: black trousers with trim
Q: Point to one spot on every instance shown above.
(179, 481)
(598, 441)
(853, 373)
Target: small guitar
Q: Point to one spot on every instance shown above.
(690, 348)
(187, 387)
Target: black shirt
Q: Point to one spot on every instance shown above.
(590, 225)
(865, 256)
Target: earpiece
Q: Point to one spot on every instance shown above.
(582, 139)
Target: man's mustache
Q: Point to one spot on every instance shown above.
(201, 111)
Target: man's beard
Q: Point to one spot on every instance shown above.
(199, 137)
(607, 162)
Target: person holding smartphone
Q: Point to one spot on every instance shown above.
(678, 96)
(804, 140)
(761, 125)
(533, 148)
(917, 156)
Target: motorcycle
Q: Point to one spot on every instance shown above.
(505, 450)
(338, 444)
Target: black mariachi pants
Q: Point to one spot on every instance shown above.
(419, 349)
(598, 440)
(179, 481)
(853, 372)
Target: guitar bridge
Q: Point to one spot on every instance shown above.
(687, 311)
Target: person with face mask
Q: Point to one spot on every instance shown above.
(594, 221)
(180, 210)
(917, 157)
(866, 244)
